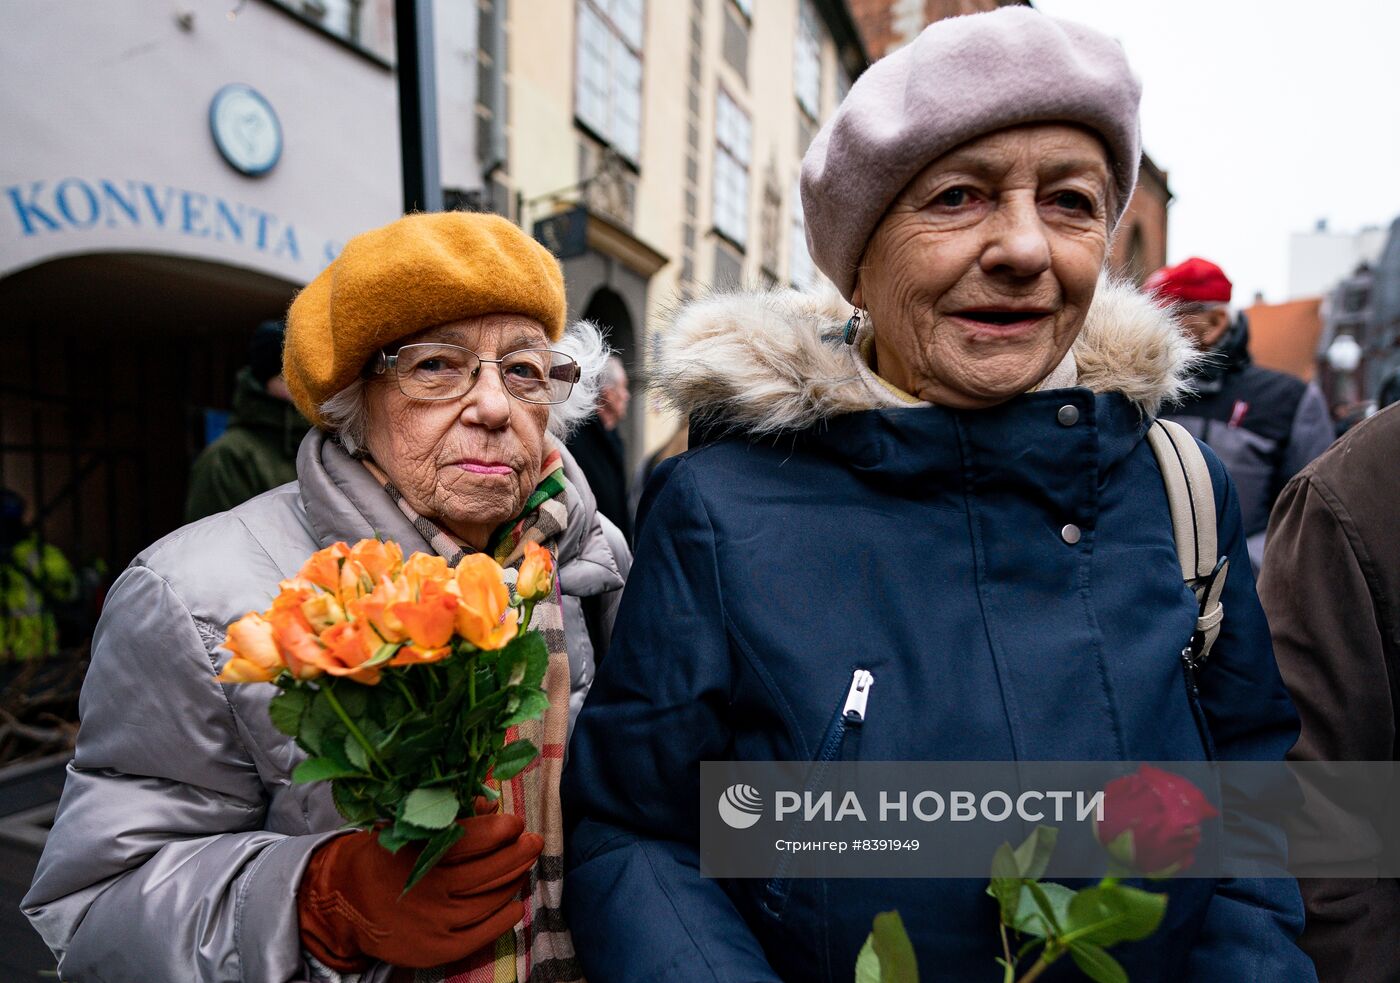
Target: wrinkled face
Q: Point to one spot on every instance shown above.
(1205, 323)
(979, 277)
(468, 463)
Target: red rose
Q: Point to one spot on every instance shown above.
(1152, 821)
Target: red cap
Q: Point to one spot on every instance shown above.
(1195, 280)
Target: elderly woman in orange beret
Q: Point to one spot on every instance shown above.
(433, 358)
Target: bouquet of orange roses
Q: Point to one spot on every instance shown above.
(399, 679)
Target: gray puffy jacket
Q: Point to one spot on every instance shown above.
(180, 839)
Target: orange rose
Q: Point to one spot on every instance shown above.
(424, 568)
(377, 608)
(484, 615)
(412, 655)
(428, 620)
(322, 611)
(355, 582)
(255, 657)
(536, 573)
(298, 644)
(322, 568)
(347, 646)
(378, 558)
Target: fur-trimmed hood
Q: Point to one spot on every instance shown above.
(774, 361)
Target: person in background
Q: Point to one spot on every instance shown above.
(35, 579)
(1331, 589)
(597, 448)
(258, 451)
(1264, 425)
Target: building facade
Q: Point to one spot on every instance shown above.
(656, 147)
(1140, 243)
(1322, 258)
(172, 173)
(1364, 307)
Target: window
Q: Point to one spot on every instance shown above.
(746, 6)
(608, 76)
(364, 24)
(802, 272)
(733, 134)
(807, 61)
(770, 224)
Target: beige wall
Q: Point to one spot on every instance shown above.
(544, 139)
(118, 91)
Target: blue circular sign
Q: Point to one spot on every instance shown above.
(245, 129)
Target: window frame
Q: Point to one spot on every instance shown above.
(723, 149)
(807, 16)
(607, 134)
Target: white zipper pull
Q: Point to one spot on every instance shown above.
(854, 710)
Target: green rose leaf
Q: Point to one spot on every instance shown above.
(351, 802)
(356, 753)
(321, 769)
(1097, 964)
(394, 839)
(286, 710)
(512, 759)
(894, 950)
(1006, 882)
(1031, 914)
(485, 709)
(1033, 856)
(430, 808)
(1115, 914)
(533, 703)
(531, 649)
(311, 734)
(867, 963)
(353, 697)
(433, 851)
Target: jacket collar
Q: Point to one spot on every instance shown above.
(765, 363)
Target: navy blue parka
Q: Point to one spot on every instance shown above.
(928, 546)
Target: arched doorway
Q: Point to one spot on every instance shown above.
(114, 359)
(607, 309)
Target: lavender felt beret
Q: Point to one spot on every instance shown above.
(962, 78)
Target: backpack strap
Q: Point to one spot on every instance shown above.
(1191, 499)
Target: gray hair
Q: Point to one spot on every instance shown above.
(346, 414)
(614, 373)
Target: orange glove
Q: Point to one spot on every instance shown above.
(351, 911)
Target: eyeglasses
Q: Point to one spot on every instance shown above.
(532, 375)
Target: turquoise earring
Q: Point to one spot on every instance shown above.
(852, 328)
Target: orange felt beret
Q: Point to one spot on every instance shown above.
(415, 273)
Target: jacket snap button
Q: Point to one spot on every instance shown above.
(1070, 534)
(1068, 415)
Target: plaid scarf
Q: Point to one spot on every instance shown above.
(538, 949)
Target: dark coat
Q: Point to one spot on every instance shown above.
(599, 452)
(256, 453)
(1264, 425)
(1331, 587)
(923, 544)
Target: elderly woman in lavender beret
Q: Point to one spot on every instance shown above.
(931, 531)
